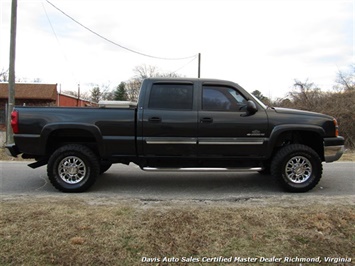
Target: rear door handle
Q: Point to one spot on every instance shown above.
(155, 119)
(206, 120)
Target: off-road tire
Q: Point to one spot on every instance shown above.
(73, 168)
(297, 168)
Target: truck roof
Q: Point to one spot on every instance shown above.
(202, 80)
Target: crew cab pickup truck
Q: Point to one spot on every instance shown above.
(178, 124)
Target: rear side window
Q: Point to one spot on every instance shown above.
(171, 96)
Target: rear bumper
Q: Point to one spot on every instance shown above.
(12, 150)
(333, 149)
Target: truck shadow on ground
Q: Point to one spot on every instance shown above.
(190, 184)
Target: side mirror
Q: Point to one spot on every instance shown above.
(251, 108)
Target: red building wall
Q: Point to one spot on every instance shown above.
(67, 100)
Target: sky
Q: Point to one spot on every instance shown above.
(260, 44)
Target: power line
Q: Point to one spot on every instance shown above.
(194, 58)
(56, 36)
(115, 43)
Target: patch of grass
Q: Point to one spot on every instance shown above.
(3, 155)
(349, 155)
(72, 232)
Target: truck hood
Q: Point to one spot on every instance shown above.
(298, 112)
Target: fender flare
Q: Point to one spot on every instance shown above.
(278, 130)
(48, 129)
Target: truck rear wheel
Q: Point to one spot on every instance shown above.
(73, 168)
(297, 168)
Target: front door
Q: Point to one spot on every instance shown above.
(170, 121)
(225, 130)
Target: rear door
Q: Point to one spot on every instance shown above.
(169, 120)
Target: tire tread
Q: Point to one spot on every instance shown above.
(277, 171)
(76, 148)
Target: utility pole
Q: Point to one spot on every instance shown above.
(78, 100)
(11, 100)
(199, 65)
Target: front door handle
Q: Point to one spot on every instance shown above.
(155, 119)
(206, 120)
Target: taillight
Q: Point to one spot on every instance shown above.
(336, 127)
(14, 121)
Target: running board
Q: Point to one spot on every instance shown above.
(197, 169)
(38, 164)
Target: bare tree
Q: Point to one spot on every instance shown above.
(142, 72)
(169, 75)
(345, 80)
(106, 92)
(339, 104)
(99, 92)
(4, 75)
(305, 95)
(37, 80)
(133, 88)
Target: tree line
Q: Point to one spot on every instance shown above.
(339, 103)
(128, 90)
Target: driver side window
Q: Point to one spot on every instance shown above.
(220, 98)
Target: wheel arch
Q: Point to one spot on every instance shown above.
(56, 135)
(311, 136)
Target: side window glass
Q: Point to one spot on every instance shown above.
(219, 98)
(214, 100)
(171, 96)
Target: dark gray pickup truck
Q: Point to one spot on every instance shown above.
(178, 124)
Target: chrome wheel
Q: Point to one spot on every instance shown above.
(298, 169)
(72, 170)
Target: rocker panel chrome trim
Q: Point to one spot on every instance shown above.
(232, 141)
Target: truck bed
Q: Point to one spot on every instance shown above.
(112, 127)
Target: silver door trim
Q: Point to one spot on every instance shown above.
(231, 141)
(164, 141)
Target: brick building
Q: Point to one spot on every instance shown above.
(36, 94)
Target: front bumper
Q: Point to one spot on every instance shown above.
(12, 150)
(333, 149)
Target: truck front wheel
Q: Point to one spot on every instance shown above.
(297, 168)
(73, 168)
